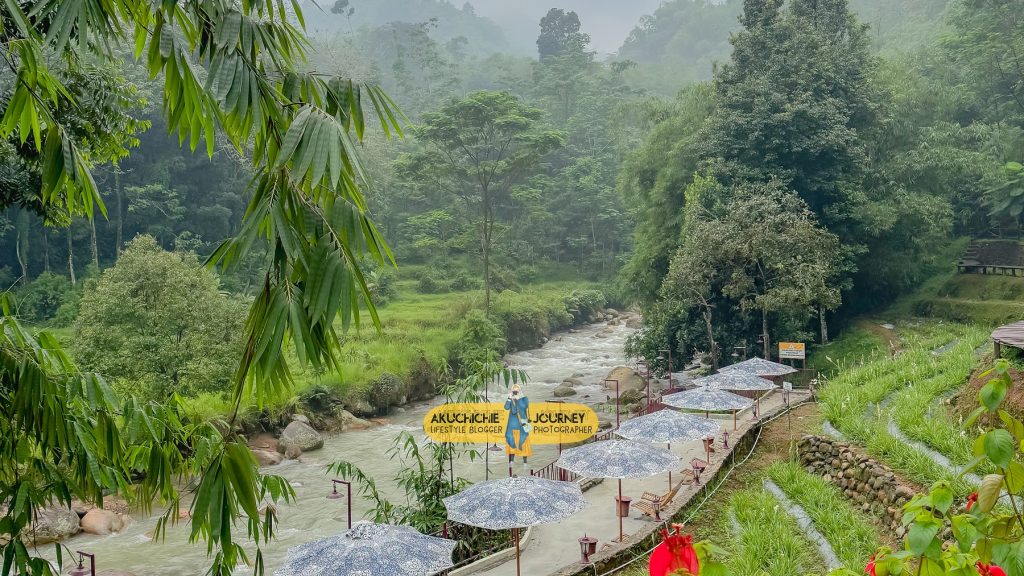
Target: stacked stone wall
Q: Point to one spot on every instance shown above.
(867, 482)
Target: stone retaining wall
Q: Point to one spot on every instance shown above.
(864, 480)
(642, 542)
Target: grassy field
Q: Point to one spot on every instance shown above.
(417, 335)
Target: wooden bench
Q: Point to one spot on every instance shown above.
(651, 504)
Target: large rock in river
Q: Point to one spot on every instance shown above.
(102, 522)
(301, 436)
(563, 391)
(627, 377)
(266, 457)
(53, 525)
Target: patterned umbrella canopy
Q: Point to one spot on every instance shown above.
(760, 367)
(707, 399)
(667, 426)
(617, 459)
(515, 502)
(370, 550)
(735, 380)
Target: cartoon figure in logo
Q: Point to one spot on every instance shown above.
(518, 427)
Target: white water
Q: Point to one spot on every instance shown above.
(313, 516)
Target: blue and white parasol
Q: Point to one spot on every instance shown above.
(370, 550)
(667, 426)
(760, 367)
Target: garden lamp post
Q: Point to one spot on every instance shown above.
(335, 495)
(646, 373)
(739, 353)
(616, 400)
(81, 570)
(662, 354)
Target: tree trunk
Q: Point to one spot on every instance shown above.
(711, 338)
(824, 325)
(764, 334)
(71, 258)
(21, 245)
(92, 244)
(46, 249)
(120, 210)
(486, 245)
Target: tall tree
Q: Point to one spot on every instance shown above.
(479, 147)
(559, 31)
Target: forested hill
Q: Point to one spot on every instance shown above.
(680, 42)
(459, 24)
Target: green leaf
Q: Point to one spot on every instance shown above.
(992, 394)
(999, 446)
(920, 536)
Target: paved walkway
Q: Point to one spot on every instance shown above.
(552, 546)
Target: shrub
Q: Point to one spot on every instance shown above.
(584, 304)
(463, 282)
(481, 340)
(385, 390)
(40, 300)
(429, 284)
(382, 287)
(527, 274)
(502, 279)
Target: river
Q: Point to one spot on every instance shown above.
(579, 353)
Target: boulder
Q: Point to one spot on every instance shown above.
(301, 436)
(361, 408)
(292, 452)
(632, 397)
(573, 381)
(300, 418)
(627, 377)
(102, 522)
(634, 323)
(266, 457)
(563, 391)
(350, 421)
(53, 525)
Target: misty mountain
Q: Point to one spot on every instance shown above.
(448, 21)
(607, 21)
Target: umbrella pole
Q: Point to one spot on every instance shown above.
(670, 470)
(619, 510)
(515, 535)
(733, 420)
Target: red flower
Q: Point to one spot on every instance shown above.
(989, 569)
(674, 555)
(972, 500)
(870, 568)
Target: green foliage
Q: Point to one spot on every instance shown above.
(41, 299)
(982, 534)
(158, 324)
(584, 304)
(75, 439)
(479, 148)
(385, 390)
(481, 340)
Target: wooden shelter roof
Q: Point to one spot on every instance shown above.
(1010, 335)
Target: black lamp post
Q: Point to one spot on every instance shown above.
(661, 356)
(81, 570)
(646, 373)
(616, 400)
(335, 495)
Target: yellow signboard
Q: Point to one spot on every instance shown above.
(485, 423)
(792, 350)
